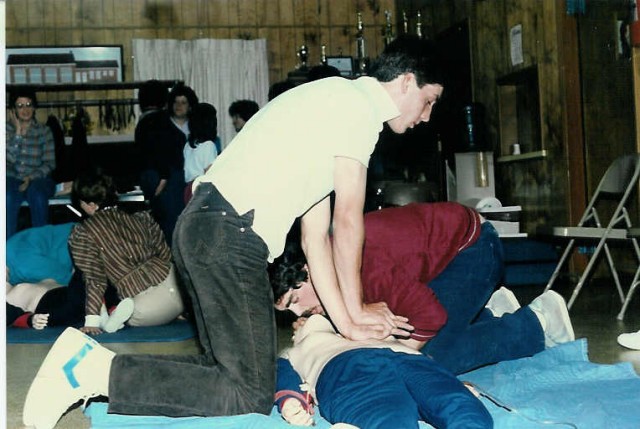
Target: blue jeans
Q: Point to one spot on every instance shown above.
(167, 206)
(381, 389)
(472, 336)
(37, 196)
(223, 267)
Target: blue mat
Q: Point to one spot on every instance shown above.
(558, 385)
(176, 331)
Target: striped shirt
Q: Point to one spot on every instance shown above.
(30, 155)
(126, 250)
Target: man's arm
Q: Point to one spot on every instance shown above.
(350, 178)
(335, 268)
(316, 245)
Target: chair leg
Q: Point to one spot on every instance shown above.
(563, 258)
(587, 271)
(614, 272)
(627, 300)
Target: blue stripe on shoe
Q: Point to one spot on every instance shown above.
(75, 360)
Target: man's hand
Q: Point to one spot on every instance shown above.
(379, 314)
(25, 184)
(14, 120)
(295, 414)
(40, 321)
(161, 185)
(91, 330)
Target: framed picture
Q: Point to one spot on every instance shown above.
(64, 64)
(344, 64)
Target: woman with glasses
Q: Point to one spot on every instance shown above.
(30, 157)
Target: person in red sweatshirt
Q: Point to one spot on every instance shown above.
(439, 265)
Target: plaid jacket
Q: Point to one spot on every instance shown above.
(31, 155)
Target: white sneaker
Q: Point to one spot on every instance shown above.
(76, 368)
(502, 301)
(121, 314)
(630, 341)
(553, 314)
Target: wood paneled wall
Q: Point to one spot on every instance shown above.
(585, 94)
(285, 24)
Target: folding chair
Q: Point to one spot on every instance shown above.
(617, 184)
(633, 233)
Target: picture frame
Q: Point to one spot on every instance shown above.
(343, 63)
(44, 65)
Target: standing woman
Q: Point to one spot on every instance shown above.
(127, 251)
(30, 153)
(163, 183)
(200, 151)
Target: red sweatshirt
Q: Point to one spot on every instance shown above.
(407, 247)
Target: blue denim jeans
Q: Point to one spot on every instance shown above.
(472, 336)
(222, 264)
(381, 389)
(37, 196)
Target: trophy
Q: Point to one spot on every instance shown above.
(405, 23)
(419, 25)
(303, 56)
(323, 55)
(361, 57)
(388, 29)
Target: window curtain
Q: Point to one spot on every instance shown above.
(220, 71)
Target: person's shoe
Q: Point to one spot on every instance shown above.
(343, 426)
(76, 368)
(121, 314)
(502, 301)
(553, 314)
(630, 341)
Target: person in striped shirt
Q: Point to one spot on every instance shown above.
(125, 250)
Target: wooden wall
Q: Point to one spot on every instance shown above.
(285, 24)
(585, 95)
(585, 87)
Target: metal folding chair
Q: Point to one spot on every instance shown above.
(617, 184)
(633, 233)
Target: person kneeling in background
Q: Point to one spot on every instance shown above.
(125, 250)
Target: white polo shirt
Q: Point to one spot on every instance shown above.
(282, 161)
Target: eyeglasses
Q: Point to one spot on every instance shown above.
(24, 105)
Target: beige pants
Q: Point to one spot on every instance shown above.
(159, 304)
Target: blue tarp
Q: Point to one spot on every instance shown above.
(558, 385)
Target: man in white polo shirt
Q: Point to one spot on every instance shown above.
(310, 141)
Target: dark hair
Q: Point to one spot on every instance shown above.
(244, 108)
(409, 54)
(287, 270)
(280, 87)
(94, 187)
(203, 124)
(182, 90)
(152, 94)
(322, 71)
(25, 92)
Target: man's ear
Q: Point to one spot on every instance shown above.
(408, 79)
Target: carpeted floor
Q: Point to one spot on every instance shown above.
(593, 316)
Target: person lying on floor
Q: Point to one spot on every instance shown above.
(438, 264)
(39, 253)
(370, 384)
(48, 303)
(125, 250)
